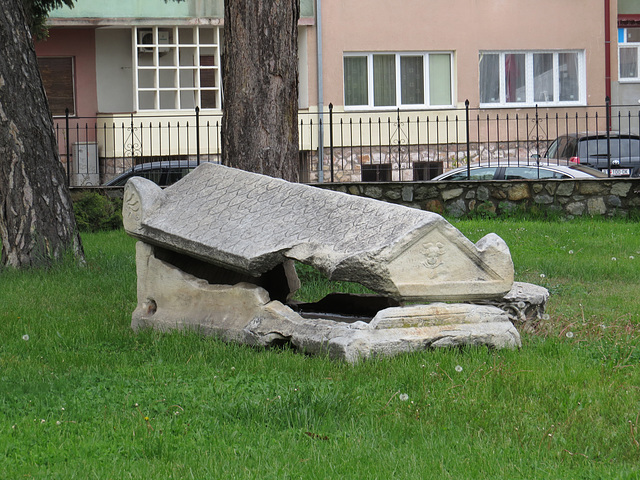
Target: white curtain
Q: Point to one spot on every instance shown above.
(629, 62)
(568, 71)
(411, 80)
(543, 77)
(356, 91)
(384, 80)
(489, 78)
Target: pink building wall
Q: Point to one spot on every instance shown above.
(464, 27)
(80, 44)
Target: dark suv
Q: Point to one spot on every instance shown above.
(163, 173)
(591, 149)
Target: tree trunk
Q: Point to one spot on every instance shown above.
(260, 80)
(37, 225)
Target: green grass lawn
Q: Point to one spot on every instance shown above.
(82, 396)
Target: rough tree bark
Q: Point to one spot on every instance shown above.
(260, 79)
(37, 225)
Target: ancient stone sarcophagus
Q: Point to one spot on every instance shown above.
(217, 252)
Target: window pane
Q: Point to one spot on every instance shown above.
(483, 173)
(633, 34)
(489, 78)
(412, 80)
(515, 76)
(568, 72)
(355, 81)
(543, 77)
(629, 62)
(168, 75)
(440, 79)
(384, 80)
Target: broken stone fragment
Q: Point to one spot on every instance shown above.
(525, 304)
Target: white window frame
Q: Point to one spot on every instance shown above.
(156, 49)
(622, 43)
(529, 87)
(398, 78)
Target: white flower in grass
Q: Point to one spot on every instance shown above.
(458, 368)
(631, 257)
(569, 334)
(25, 337)
(613, 259)
(570, 252)
(404, 397)
(542, 275)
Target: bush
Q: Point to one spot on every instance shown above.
(95, 212)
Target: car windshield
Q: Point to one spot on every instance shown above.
(620, 147)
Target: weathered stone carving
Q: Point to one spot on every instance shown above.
(217, 251)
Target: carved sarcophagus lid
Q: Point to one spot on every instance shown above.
(251, 223)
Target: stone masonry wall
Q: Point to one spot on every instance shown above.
(568, 198)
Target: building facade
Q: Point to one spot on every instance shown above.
(373, 62)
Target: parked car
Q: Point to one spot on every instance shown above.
(163, 173)
(591, 149)
(520, 172)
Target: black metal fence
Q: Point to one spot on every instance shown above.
(339, 146)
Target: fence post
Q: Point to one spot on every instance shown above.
(197, 135)
(538, 136)
(331, 139)
(66, 124)
(466, 111)
(607, 102)
(133, 148)
(399, 149)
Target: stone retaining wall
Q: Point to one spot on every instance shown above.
(568, 198)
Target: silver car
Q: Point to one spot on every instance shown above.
(520, 172)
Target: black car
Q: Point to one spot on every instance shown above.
(591, 149)
(163, 173)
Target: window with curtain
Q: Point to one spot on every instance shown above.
(384, 80)
(629, 54)
(356, 91)
(531, 78)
